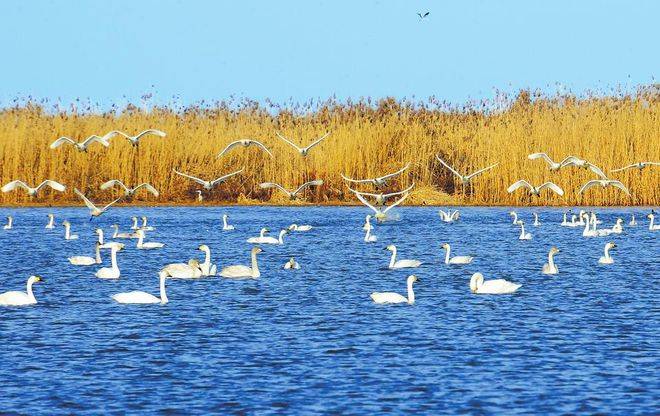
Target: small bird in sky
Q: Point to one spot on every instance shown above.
(424, 15)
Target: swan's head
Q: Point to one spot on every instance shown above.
(140, 233)
(412, 279)
(194, 263)
(203, 247)
(144, 218)
(391, 247)
(133, 218)
(98, 231)
(35, 279)
(445, 246)
(257, 250)
(610, 245)
(117, 247)
(650, 216)
(51, 215)
(66, 223)
(293, 227)
(476, 281)
(225, 216)
(512, 213)
(619, 221)
(554, 250)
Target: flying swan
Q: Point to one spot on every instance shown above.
(604, 183)
(381, 197)
(640, 166)
(82, 146)
(94, 211)
(290, 194)
(303, 150)
(244, 143)
(129, 192)
(33, 191)
(381, 214)
(465, 179)
(380, 181)
(208, 185)
(535, 190)
(135, 140)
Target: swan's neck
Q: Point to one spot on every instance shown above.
(366, 237)
(522, 229)
(393, 258)
(607, 252)
(281, 241)
(255, 266)
(411, 293)
(144, 222)
(67, 231)
(30, 293)
(651, 223)
(515, 217)
(140, 240)
(163, 293)
(113, 255)
(135, 221)
(262, 233)
(207, 258)
(447, 254)
(98, 254)
(551, 259)
(224, 222)
(565, 219)
(116, 233)
(51, 222)
(586, 226)
(100, 233)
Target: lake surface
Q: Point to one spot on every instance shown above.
(311, 341)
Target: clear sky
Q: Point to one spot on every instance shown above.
(300, 50)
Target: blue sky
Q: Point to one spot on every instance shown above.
(304, 50)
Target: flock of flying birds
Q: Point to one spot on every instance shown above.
(195, 269)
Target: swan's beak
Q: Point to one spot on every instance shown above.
(91, 218)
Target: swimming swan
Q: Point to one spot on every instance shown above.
(394, 264)
(391, 297)
(208, 269)
(244, 272)
(367, 223)
(632, 222)
(550, 267)
(536, 219)
(51, 222)
(10, 223)
(103, 244)
(15, 298)
(225, 225)
(258, 240)
(291, 264)
(516, 221)
(491, 287)
(273, 240)
(146, 246)
(299, 228)
(85, 260)
(145, 226)
(652, 227)
(607, 259)
(113, 271)
(117, 234)
(142, 298)
(190, 270)
(523, 234)
(368, 238)
(67, 231)
(455, 259)
(449, 216)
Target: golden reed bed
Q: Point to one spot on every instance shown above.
(366, 140)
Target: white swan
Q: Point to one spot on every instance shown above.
(553, 165)
(117, 234)
(633, 222)
(516, 221)
(145, 226)
(291, 194)
(392, 297)
(381, 214)
(10, 223)
(465, 179)
(258, 240)
(67, 231)
(94, 211)
(299, 228)
(208, 185)
(86, 260)
(455, 259)
(225, 225)
(381, 198)
(15, 298)
(244, 272)
(491, 287)
(550, 267)
(291, 264)
(103, 244)
(535, 190)
(607, 259)
(113, 271)
(51, 222)
(367, 223)
(605, 183)
(135, 140)
(142, 298)
(652, 227)
(380, 181)
(523, 234)
(564, 222)
(369, 238)
(536, 219)
(244, 143)
(135, 226)
(146, 246)
(33, 191)
(273, 240)
(581, 163)
(82, 146)
(449, 216)
(588, 232)
(129, 192)
(400, 264)
(200, 197)
(190, 270)
(208, 269)
(618, 227)
(303, 150)
(640, 166)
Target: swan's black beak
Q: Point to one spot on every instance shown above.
(91, 218)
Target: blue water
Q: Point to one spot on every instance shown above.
(311, 341)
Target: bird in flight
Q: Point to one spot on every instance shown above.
(129, 192)
(604, 183)
(464, 178)
(94, 211)
(33, 191)
(380, 181)
(82, 146)
(640, 166)
(423, 15)
(135, 140)
(581, 163)
(292, 195)
(208, 185)
(303, 150)
(381, 213)
(381, 197)
(535, 190)
(244, 143)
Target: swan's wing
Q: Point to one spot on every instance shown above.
(618, 184)
(111, 183)
(105, 208)
(109, 135)
(57, 143)
(623, 168)
(267, 185)
(651, 163)
(455, 215)
(199, 181)
(472, 175)
(521, 183)
(316, 182)
(356, 180)
(228, 148)
(318, 141)
(397, 202)
(596, 170)
(364, 201)
(543, 156)
(148, 187)
(55, 185)
(553, 187)
(448, 167)
(362, 193)
(443, 215)
(570, 161)
(398, 172)
(588, 185)
(94, 138)
(87, 202)
(288, 141)
(150, 131)
(400, 192)
(225, 177)
(13, 185)
(262, 146)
